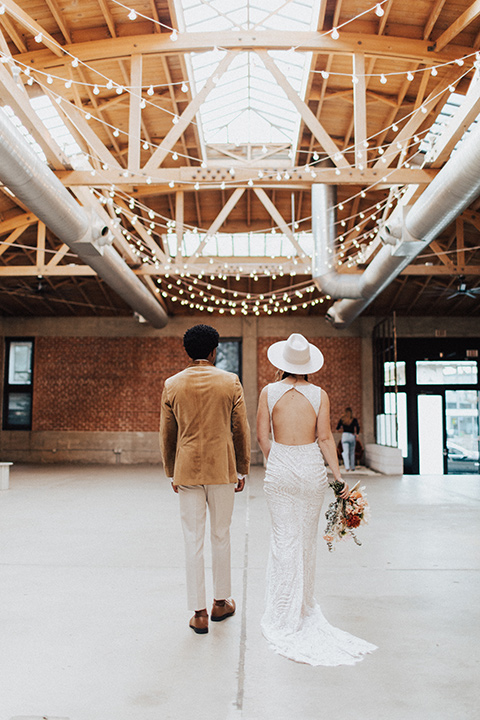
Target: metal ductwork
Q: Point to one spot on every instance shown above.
(32, 182)
(407, 232)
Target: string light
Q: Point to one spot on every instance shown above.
(379, 11)
(335, 34)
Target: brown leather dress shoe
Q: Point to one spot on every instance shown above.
(199, 624)
(222, 611)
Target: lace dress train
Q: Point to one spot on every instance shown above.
(293, 623)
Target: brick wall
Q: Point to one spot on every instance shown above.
(102, 384)
(340, 376)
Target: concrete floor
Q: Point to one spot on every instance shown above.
(94, 626)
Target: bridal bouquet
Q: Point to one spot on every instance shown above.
(345, 515)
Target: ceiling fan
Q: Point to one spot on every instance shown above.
(463, 289)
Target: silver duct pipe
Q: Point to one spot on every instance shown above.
(453, 189)
(32, 182)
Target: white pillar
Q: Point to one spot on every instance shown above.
(4, 475)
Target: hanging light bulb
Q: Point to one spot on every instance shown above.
(146, 145)
(379, 11)
(143, 104)
(150, 91)
(116, 132)
(197, 186)
(383, 79)
(68, 84)
(409, 76)
(250, 182)
(175, 119)
(109, 85)
(184, 87)
(434, 71)
(175, 156)
(95, 90)
(74, 61)
(395, 127)
(171, 184)
(38, 38)
(325, 75)
(132, 15)
(335, 34)
(174, 35)
(315, 156)
(49, 79)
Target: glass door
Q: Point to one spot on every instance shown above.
(462, 431)
(430, 434)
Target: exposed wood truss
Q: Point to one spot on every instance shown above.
(148, 163)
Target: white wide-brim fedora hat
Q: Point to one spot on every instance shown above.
(295, 355)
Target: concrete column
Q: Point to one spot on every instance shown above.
(5, 475)
(250, 378)
(368, 429)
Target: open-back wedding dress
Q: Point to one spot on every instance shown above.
(295, 484)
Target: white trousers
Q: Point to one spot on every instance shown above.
(194, 500)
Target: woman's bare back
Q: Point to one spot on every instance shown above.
(293, 418)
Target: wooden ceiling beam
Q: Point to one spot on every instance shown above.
(14, 235)
(20, 221)
(220, 219)
(179, 221)
(135, 113)
(360, 110)
(460, 24)
(57, 14)
(273, 211)
(441, 270)
(32, 26)
(461, 121)
(308, 117)
(187, 116)
(213, 177)
(34, 270)
(436, 10)
(98, 148)
(379, 46)
(11, 30)
(108, 17)
(11, 94)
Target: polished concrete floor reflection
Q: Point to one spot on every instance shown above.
(94, 626)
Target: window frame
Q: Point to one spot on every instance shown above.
(11, 388)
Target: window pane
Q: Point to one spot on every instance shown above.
(228, 356)
(20, 363)
(19, 409)
(447, 372)
(389, 373)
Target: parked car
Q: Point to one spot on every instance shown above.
(461, 459)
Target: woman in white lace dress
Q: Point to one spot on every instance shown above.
(293, 429)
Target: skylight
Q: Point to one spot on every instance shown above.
(241, 244)
(447, 113)
(247, 106)
(51, 119)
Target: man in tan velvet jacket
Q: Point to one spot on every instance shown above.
(205, 443)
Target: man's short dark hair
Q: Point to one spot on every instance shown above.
(200, 340)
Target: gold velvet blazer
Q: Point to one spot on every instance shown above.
(204, 431)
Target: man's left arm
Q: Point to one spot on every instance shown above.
(241, 434)
(168, 435)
